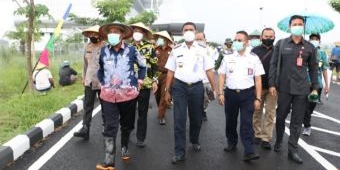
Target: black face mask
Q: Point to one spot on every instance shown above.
(268, 42)
(94, 40)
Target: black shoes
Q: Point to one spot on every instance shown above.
(250, 157)
(257, 141)
(277, 147)
(266, 145)
(84, 133)
(295, 157)
(177, 159)
(230, 147)
(196, 147)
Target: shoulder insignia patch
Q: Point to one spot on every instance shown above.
(252, 53)
(202, 45)
(178, 45)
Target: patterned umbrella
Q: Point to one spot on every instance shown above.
(313, 24)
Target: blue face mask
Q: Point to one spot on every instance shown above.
(113, 38)
(296, 30)
(160, 42)
(237, 46)
(255, 42)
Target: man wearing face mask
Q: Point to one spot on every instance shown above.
(200, 38)
(242, 72)
(185, 65)
(288, 78)
(228, 46)
(323, 66)
(255, 39)
(141, 34)
(119, 88)
(163, 49)
(90, 80)
(263, 127)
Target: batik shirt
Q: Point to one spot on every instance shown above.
(147, 51)
(117, 75)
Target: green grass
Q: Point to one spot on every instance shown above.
(18, 113)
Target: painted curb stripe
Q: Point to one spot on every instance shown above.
(19, 144)
(35, 134)
(57, 119)
(6, 156)
(65, 113)
(47, 125)
(79, 104)
(73, 108)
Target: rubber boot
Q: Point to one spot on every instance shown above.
(110, 150)
(125, 136)
(84, 132)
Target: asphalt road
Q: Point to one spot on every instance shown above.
(320, 151)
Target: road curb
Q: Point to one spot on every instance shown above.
(17, 146)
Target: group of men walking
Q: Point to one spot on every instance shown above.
(123, 72)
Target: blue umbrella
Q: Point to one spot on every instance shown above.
(313, 24)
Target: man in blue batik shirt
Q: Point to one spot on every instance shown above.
(119, 88)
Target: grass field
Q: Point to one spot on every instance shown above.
(19, 112)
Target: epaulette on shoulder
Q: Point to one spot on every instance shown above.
(252, 53)
(226, 52)
(178, 45)
(202, 45)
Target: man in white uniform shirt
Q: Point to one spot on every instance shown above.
(185, 65)
(239, 70)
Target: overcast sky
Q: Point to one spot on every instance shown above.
(222, 18)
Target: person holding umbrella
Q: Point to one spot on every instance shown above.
(288, 79)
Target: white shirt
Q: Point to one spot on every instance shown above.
(41, 79)
(212, 53)
(241, 70)
(189, 64)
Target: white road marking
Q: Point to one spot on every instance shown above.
(326, 117)
(311, 151)
(322, 130)
(325, 151)
(56, 147)
(326, 131)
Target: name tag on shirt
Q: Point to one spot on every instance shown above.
(250, 71)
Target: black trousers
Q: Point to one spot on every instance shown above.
(143, 108)
(298, 104)
(123, 113)
(90, 97)
(309, 111)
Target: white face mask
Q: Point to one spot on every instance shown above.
(137, 36)
(316, 43)
(189, 36)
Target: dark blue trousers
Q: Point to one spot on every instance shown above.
(242, 102)
(187, 98)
